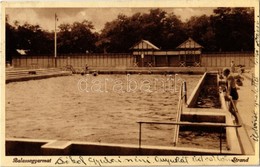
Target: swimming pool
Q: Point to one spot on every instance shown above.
(101, 109)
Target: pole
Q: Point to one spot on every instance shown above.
(140, 135)
(142, 57)
(220, 141)
(55, 42)
(185, 91)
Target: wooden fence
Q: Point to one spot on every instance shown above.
(77, 60)
(219, 59)
(223, 59)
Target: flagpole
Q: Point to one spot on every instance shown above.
(55, 42)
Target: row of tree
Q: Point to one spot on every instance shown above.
(227, 29)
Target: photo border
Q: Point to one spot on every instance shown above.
(218, 160)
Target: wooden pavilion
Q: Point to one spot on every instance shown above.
(189, 53)
(186, 54)
(143, 53)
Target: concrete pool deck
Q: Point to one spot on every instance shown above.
(247, 112)
(16, 75)
(31, 147)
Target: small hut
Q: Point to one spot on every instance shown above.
(147, 54)
(143, 53)
(189, 53)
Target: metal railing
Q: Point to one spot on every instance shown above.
(220, 125)
(182, 94)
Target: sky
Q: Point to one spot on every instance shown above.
(98, 16)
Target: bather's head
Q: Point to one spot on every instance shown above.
(226, 72)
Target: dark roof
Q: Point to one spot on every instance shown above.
(144, 45)
(189, 44)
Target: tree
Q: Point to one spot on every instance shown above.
(227, 29)
(64, 39)
(234, 28)
(201, 30)
(77, 38)
(165, 31)
(116, 35)
(173, 32)
(10, 47)
(33, 38)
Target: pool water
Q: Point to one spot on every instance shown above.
(209, 94)
(101, 109)
(198, 140)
